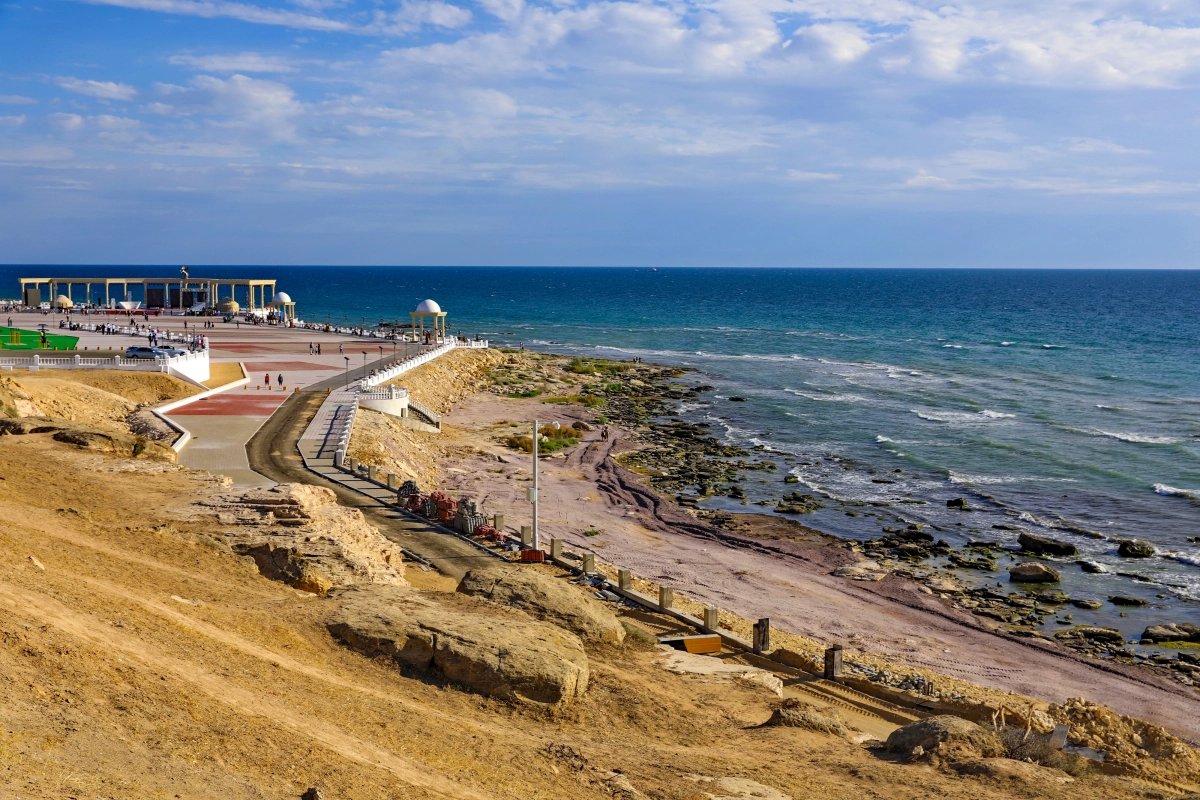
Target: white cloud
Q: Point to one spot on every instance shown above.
(16, 100)
(240, 102)
(799, 175)
(239, 62)
(68, 122)
(241, 11)
(105, 90)
(13, 120)
(111, 123)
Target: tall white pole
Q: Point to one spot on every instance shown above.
(534, 498)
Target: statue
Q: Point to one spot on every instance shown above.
(184, 272)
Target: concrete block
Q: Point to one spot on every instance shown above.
(710, 619)
(373, 472)
(353, 464)
(833, 663)
(1058, 738)
(393, 481)
(666, 597)
(589, 563)
(556, 548)
(526, 534)
(499, 523)
(339, 458)
(624, 579)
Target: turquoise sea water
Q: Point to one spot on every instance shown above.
(1060, 402)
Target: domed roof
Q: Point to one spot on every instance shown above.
(229, 306)
(62, 301)
(281, 297)
(429, 307)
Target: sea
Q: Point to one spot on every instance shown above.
(1061, 402)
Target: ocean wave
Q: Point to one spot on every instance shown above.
(998, 479)
(1054, 347)
(1137, 438)
(960, 416)
(844, 398)
(954, 346)
(1109, 408)
(883, 439)
(1191, 561)
(1171, 491)
(1006, 344)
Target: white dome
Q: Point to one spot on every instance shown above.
(281, 297)
(429, 307)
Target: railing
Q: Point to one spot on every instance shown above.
(422, 410)
(429, 355)
(343, 432)
(159, 364)
(390, 393)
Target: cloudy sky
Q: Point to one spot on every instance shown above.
(720, 132)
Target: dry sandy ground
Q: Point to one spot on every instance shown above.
(784, 580)
(140, 660)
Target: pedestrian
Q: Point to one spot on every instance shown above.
(318, 348)
(267, 379)
(310, 348)
(281, 380)
(339, 348)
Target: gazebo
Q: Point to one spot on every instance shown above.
(282, 302)
(432, 311)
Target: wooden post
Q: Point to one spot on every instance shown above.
(762, 636)
(666, 596)
(833, 663)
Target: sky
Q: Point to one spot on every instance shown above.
(998, 133)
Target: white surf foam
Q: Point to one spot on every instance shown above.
(1171, 491)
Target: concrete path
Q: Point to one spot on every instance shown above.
(221, 425)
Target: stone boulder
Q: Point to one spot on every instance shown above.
(546, 598)
(497, 652)
(1135, 548)
(1045, 546)
(1032, 572)
(1172, 632)
(794, 713)
(945, 735)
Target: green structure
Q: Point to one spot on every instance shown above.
(20, 339)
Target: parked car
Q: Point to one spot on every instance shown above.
(144, 351)
(171, 352)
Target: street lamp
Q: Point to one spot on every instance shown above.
(347, 369)
(364, 352)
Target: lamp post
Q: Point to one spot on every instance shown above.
(347, 369)
(533, 492)
(364, 354)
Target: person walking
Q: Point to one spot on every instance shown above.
(267, 379)
(339, 348)
(281, 380)
(318, 348)
(310, 348)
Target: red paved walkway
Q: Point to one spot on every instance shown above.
(236, 403)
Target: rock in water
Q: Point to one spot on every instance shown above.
(1091, 567)
(944, 735)
(1045, 546)
(546, 598)
(1171, 632)
(1126, 600)
(497, 652)
(1032, 572)
(1135, 548)
(958, 502)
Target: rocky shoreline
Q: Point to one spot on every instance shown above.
(685, 463)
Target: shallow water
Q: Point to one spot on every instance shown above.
(1066, 403)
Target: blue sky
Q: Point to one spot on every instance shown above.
(731, 132)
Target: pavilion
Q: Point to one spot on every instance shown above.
(430, 310)
(180, 292)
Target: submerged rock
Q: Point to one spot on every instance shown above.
(1135, 548)
(1126, 600)
(1045, 546)
(1032, 572)
(1171, 632)
(546, 598)
(1091, 567)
